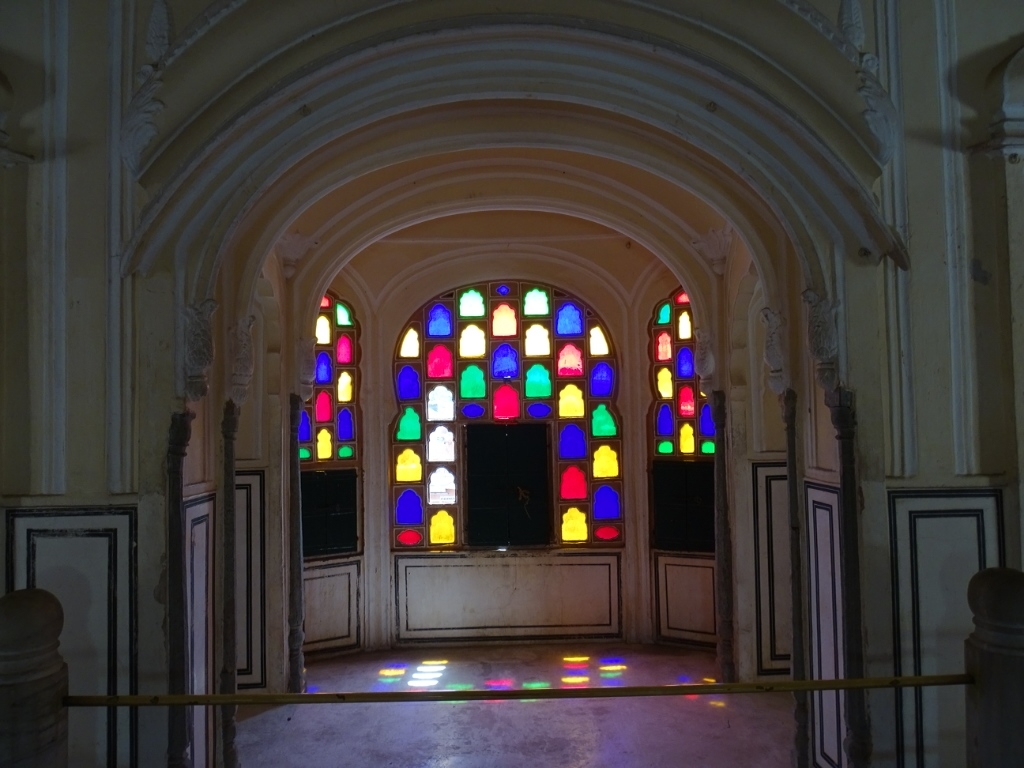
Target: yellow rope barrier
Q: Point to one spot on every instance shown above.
(782, 686)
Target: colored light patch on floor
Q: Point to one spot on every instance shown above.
(536, 685)
(575, 680)
(613, 667)
(392, 672)
(575, 658)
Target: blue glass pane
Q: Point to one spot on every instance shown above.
(503, 290)
(408, 384)
(707, 424)
(505, 363)
(346, 430)
(409, 509)
(439, 322)
(684, 363)
(572, 443)
(569, 320)
(323, 368)
(606, 503)
(538, 410)
(602, 378)
(305, 428)
(665, 425)
(472, 410)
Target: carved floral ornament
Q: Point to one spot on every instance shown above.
(822, 338)
(243, 359)
(198, 348)
(305, 366)
(774, 355)
(704, 355)
(715, 246)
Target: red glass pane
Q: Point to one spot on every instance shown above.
(686, 405)
(664, 351)
(439, 363)
(324, 412)
(570, 361)
(506, 403)
(344, 354)
(606, 533)
(574, 484)
(325, 302)
(682, 298)
(409, 538)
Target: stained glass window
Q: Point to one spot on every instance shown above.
(502, 352)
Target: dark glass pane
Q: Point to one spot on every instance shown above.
(329, 506)
(683, 505)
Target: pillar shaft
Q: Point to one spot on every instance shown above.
(229, 646)
(723, 547)
(296, 608)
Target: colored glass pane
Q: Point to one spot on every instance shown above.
(682, 298)
(471, 304)
(305, 428)
(606, 462)
(685, 326)
(441, 487)
(441, 445)
(324, 411)
(569, 320)
(665, 383)
(538, 381)
(472, 342)
(442, 528)
(602, 380)
(606, 533)
(324, 445)
(574, 525)
(346, 425)
(664, 314)
(606, 503)
(503, 321)
(535, 303)
(664, 446)
(573, 484)
(664, 424)
(440, 404)
(664, 347)
(570, 361)
(323, 330)
(408, 383)
(408, 468)
(686, 402)
(707, 424)
(473, 410)
(506, 403)
(572, 443)
(686, 441)
(439, 363)
(602, 423)
(410, 344)
(323, 368)
(570, 402)
(304, 454)
(684, 363)
(346, 452)
(471, 383)
(343, 350)
(345, 387)
(409, 508)
(707, 446)
(598, 342)
(325, 302)
(409, 425)
(505, 362)
(409, 538)
(439, 321)
(342, 314)
(502, 290)
(538, 341)
(539, 410)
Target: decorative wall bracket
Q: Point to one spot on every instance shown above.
(822, 338)
(305, 366)
(715, 247)
(704, 356)
(774, 346)
(198, 348)
(243, 359)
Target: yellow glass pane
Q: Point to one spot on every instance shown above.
(570, 402)
(538, 341)
(345, 387)
(442, 528)
(472, 342)
(323, 330)
(323, 444)
(574, 525)
(606, 462)
(598, 343)
(665, 383)
(504, 321)
(686, 441)
(685, 326)
(410, 344)
(408, 468)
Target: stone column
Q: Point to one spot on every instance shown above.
(229, 646)
(296, 596)
(723, 547)
(994, 655)
(33, 681)
(858, 728)
(179, 736)
(798, 663)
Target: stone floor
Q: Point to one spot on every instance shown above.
(743, 730)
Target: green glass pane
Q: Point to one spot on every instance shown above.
(665, 446)
(304, 453)
(707, 447)
(602, 423)
(472, 384)
(535, 303)
(344, 315)
(471, 304)
(538, 381)
(409, 426)
(664, 314)
(346, 452)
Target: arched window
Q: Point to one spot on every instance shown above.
(527, 374)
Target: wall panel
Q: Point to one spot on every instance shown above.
(773, 607)
(199, 576)
(332, 604)
(686, 597)
(251, 579)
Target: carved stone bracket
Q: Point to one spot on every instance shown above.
(243, 359)
(774, 355)
(704, 357)
(851, 22)
(715, 247)
(160, 30)
(305, 366)
(198, 348)
(138, 127)
(880, 115)
(822, 338)
(291, 247)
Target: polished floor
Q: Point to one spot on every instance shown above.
(753, 730)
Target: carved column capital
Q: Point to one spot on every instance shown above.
(774, 354)
(715, 246)
(198, 348)
(704, 356)
(305, 367)
(823, 338)
(243, 359)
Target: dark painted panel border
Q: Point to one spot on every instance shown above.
(354, 615)
(668, 624)
(769, 554)
(259, 477)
